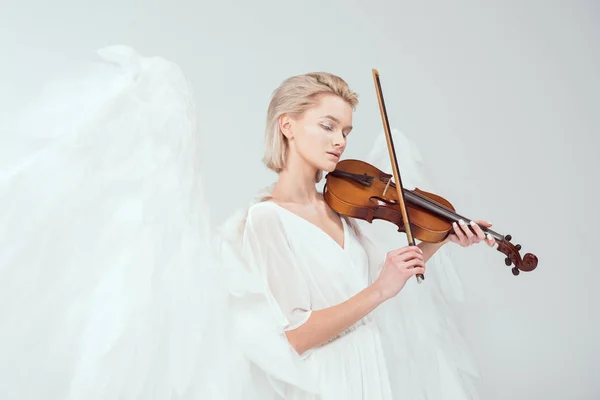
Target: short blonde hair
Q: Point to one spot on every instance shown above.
(293, 97)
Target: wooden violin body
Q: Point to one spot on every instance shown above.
(360, 190)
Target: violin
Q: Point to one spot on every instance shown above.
(360, 190)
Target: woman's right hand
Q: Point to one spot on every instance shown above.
(400, 265)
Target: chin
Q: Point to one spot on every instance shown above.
(329, 166)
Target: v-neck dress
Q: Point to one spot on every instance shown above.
(303, 269)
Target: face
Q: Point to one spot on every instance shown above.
(319, 136)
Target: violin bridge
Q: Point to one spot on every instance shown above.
(387, 186)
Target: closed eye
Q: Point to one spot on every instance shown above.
(329, 128)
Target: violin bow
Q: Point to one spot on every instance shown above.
(394, 162)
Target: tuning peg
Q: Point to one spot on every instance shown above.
(515, 271)
(507, 261)
(507, 238)
(518, 247)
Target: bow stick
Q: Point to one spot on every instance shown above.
(394, 162)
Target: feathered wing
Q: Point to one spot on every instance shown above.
(427, 356)
(108, 287)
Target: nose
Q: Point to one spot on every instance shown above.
(339, 140)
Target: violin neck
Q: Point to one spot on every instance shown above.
(443, 212)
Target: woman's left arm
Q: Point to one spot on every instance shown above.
(462, 235)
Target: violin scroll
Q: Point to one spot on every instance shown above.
(528, 263)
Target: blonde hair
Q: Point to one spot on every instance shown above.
(293, 97)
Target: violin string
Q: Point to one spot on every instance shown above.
(448, 213)
(440, 207)
(432, 205)
(432, 202)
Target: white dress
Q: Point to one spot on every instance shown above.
(305, 270)
(406, 349)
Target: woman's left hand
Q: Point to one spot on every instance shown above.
(465, 237)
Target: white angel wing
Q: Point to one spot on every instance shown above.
(106, 277)
(427, 356)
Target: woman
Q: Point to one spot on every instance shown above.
(320, 274)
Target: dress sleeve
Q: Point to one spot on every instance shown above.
(268, 252)
(268, 295)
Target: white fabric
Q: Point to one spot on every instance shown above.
(108, 289)
(114, 285)
(410, 341)
(304, 269)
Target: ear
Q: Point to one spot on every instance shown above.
(285, 124)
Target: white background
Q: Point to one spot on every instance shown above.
(502, 97)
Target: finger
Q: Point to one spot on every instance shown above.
(405, 249)
(484, 223)
(490, 240)
(408, 256)
(453, 238)
(466, 229)
(416, 271)
(401, 250)
(478, 231)
(462, 239)
(410, 251)
(412, 264)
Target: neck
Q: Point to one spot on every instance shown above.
(296, 183)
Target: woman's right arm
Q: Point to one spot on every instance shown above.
(325, 324)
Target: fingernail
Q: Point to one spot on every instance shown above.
(472, 223)
(489, 236)
(460, 221)
(454, 224)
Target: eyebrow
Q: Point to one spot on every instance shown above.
(334, 119)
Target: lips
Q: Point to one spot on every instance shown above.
(337, 155)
